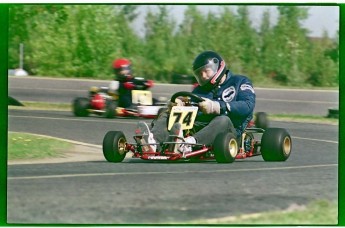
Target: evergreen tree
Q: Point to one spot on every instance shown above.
(290, 45)
(158, 52)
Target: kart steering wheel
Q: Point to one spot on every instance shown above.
(186, 94)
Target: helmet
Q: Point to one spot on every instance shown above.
(122, 69)
(208, 69)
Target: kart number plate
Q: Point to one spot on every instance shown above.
(142, 97)
(183, 114)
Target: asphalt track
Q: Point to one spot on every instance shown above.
(273, 101)
(141, 192)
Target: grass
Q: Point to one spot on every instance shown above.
(43, 106)
(320, 212)
(303, 118)
(29, 146)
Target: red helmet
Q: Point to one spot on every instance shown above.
(122, 69)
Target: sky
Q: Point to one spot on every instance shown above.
(321, 18)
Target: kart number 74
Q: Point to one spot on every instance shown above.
(182, 114)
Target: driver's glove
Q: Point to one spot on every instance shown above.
(209, 107)
(178, 102)
(129, 85)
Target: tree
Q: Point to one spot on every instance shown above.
(21, 25)
(159, 45)
(248, 43)
(290, 46)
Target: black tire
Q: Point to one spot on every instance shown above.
(110, 109)
(225, 148)
(114, 143)
(276, 144)
(80, 106)
(261, 120)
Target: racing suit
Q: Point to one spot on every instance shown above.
(124, 90)
(237, 101)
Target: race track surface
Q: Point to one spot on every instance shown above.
(142, 192)
(94, 191)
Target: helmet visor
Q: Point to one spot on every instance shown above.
(206, 72)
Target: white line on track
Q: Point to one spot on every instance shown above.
(317, 140)
(127, 122)
(174, 172)
(74, 119)
(52, 89)
(259, 99)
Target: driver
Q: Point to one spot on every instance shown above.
(124, 82)
(228, 105)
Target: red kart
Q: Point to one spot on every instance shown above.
(101, 103)
(273, 145)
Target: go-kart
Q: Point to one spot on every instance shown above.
(274, 145)
(101, 103)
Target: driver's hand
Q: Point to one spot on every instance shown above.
(209, 107)
(178, 102)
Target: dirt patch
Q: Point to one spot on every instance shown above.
(77, 153)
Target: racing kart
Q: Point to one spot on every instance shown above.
(273, 144)
(101, 103)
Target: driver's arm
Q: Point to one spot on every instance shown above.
(245, 102)
(142, 84)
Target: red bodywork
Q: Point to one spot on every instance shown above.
(203, 153)
(98, 102)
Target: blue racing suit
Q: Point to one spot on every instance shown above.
(237, 101)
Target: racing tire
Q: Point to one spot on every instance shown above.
(110, 109)
(114, 146)
(80, 106)
(225, 147)
(276, 144)
(261, 120)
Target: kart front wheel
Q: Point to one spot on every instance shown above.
(114, 146)
(276, 144)
(225, 148)
(80, 106)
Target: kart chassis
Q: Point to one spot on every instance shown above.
(274, 144)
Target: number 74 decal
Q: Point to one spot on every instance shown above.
(182, 114)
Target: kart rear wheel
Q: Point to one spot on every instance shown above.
(225, 147)
(80, 106)
(110, 109)
(261, 120)
(114, 146)
(276, 144)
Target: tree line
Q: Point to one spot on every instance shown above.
(83, 40)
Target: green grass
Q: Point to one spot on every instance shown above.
(321, 212)
(29, 146)
(303, 118)
(43, 106)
